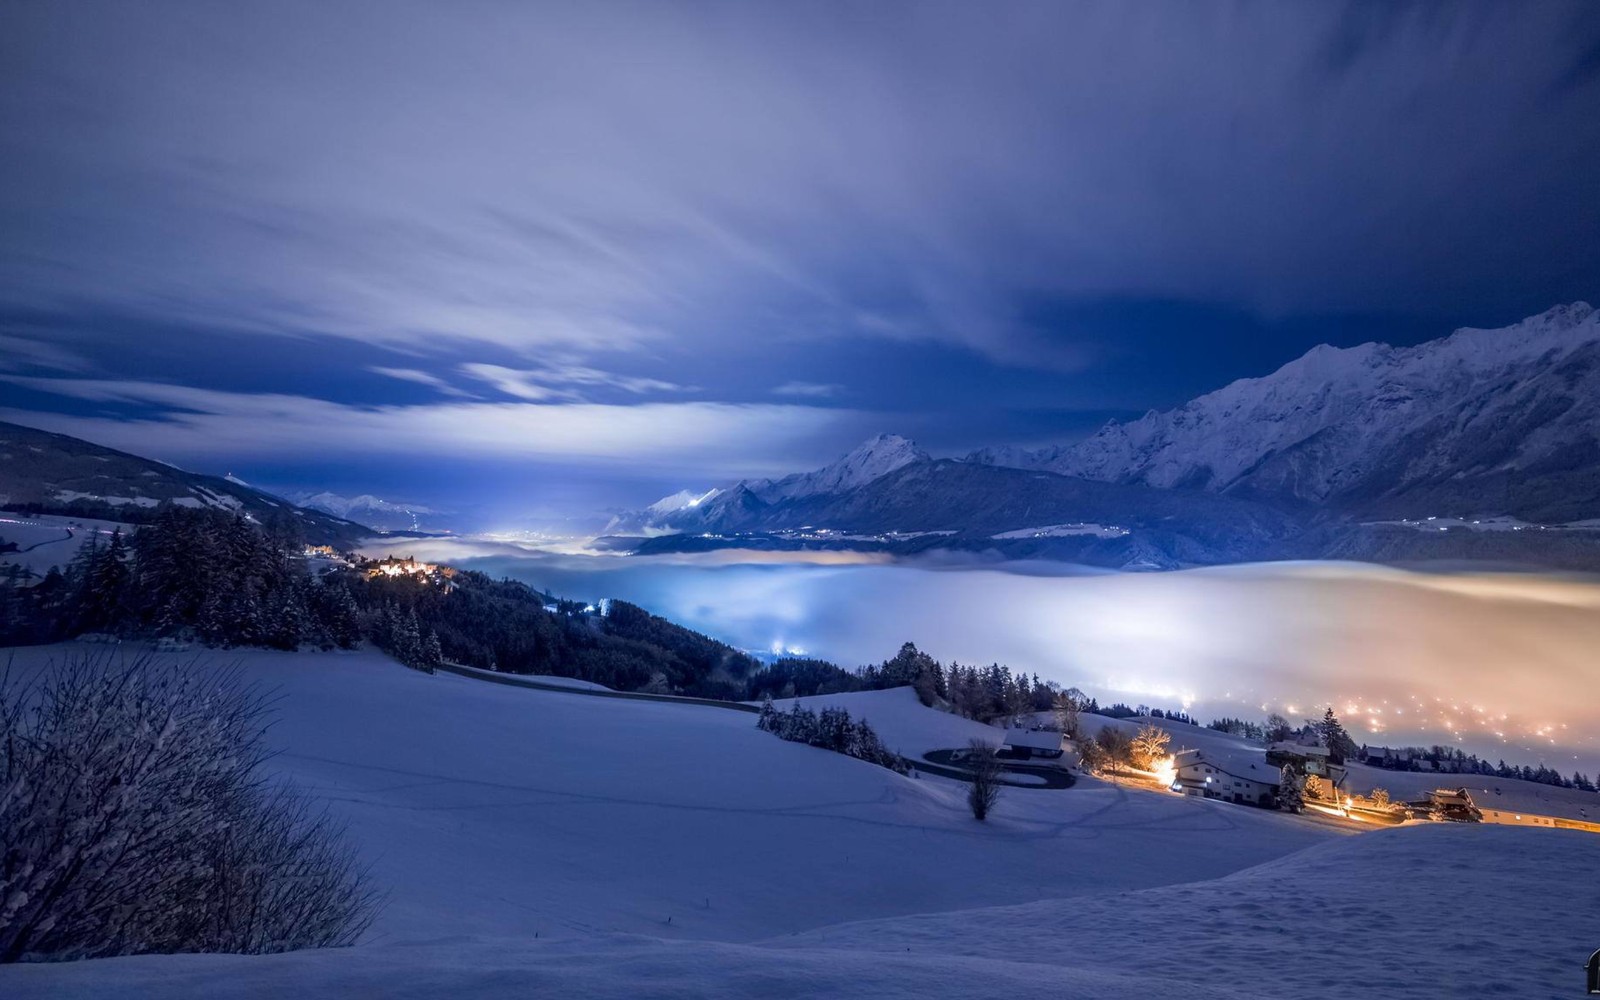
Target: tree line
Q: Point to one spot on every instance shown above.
(831, 729)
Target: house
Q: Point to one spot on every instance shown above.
(1027, 743)
(1520, 803)
(1234, 777)
(1308, 760)
(1386, 757)
(1452, 804)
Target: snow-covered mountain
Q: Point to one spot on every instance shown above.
(871, 459)
(889, 494)
(739, 504)
(375, 512)
(1341, 453)
(1502, 421)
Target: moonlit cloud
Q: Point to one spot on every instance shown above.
(1085, 210)
(563, 381)
(18, 353)
(419, 377)
(602, 178)
(700, 438)
(1500, 665)
(813, 390)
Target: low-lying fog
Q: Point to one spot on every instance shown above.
(1500, 665)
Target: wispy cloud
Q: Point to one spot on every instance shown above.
(810, 390)
(421, 378)
(564, 382)
(18, 353)
(707, 187)
(687, 439)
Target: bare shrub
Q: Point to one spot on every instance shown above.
(1116, 748)
(1149, 746)
(984, 791)
(134, 819)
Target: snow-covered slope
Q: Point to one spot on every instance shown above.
(492, 810)
(66, 475)
(557, 844)
(1500, 421)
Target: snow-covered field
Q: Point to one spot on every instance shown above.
(47, 540)
(551, 843)
(904, 725)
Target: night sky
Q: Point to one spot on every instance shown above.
(531, 258)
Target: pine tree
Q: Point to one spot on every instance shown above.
(1333, 736)
(1291, 791)
(432, 655)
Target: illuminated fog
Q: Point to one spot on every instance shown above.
(1511, 663)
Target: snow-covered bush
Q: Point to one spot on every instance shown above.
(134, 818)
(832, 730)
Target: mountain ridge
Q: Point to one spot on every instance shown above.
(1482, 421)
(57, 473)
(1341, 452)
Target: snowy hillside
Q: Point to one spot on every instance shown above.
(544, 843)
(496, 810)
(58, 474)
(1480, 422)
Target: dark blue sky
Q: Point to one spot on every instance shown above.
(548, 257)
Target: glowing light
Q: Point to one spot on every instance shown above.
(1167, 772)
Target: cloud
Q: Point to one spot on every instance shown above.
(421, 378)
(814, 390)
(684, 439)
(563, 382)
(597, 179)
(18, 353)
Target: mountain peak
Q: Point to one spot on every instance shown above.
(887, 446)
(875, 457)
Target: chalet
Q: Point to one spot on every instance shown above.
(1034, 743)
(1234, 777)
(1378, 756)
(1521, 803)
(1309, 760)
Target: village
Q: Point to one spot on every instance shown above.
(1375, 786)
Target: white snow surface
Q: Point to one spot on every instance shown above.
(901, 721)
(51, 540)
(663, 850)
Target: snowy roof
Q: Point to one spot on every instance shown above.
(1036, 739)
(1299, 749)
(1246, 767)
(1507, 795)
